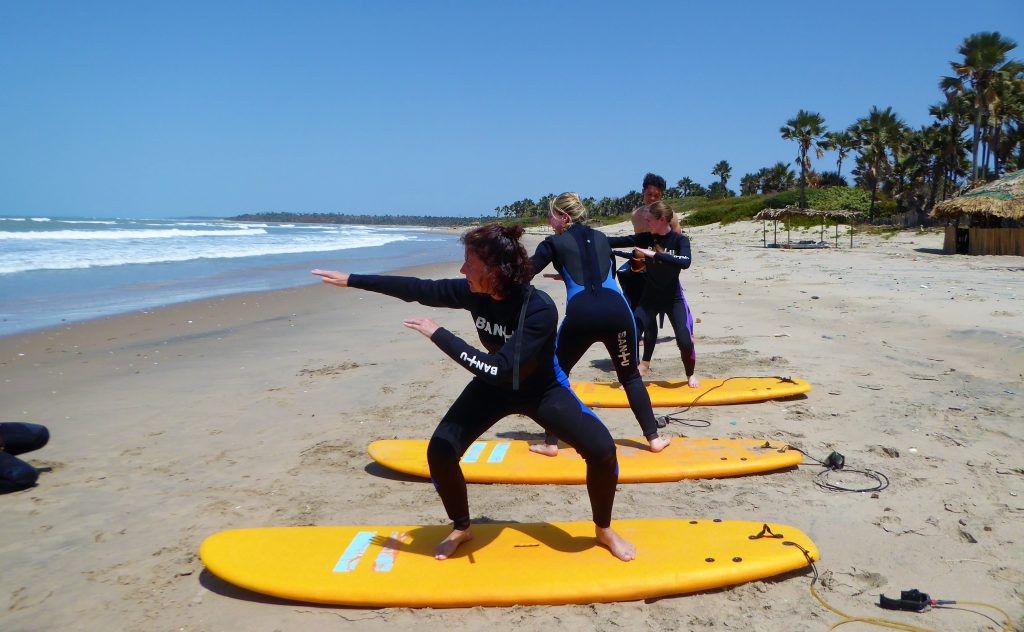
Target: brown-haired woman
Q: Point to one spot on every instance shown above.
(514, 374)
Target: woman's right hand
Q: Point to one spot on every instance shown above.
(331, 277)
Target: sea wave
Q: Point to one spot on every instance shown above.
(178, 252)
(113, 235)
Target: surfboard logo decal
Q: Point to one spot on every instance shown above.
(354, 552)
(498, 453)
(474, 452)
(386, 558)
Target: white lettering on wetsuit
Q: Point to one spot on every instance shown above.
(494, 330)
(623, 349)
(477, 364)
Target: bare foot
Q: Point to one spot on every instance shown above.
(644, 367)
(660, 443)
(692, 381)
(545, 449)
(619, 547)
(447, 546)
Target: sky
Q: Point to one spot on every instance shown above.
(171, 109)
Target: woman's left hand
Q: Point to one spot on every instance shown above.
(425, 326)
(645, 252)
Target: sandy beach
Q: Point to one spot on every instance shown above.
(255, 410)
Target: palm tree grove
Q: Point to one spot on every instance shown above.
(895, 173)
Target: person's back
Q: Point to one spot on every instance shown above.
(595, 311)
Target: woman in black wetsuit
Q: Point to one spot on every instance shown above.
(516, 373)
(595, 310)
(666, 253)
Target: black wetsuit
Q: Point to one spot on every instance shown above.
(595, 311)
(662, 292)
(543, 393)
(18, 438)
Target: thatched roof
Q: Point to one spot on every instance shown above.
(1001, 198)
(792, 211)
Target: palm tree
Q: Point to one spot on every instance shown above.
(749, 184)
(776, 178)
(878, 134)
(723, 170)
(952, 118)
(806, 128)
(842, 143)
(686, 187)
(983, 64)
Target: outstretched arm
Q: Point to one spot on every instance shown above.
(332, 277)
(453, 293)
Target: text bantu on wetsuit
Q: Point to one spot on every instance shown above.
(495, 321)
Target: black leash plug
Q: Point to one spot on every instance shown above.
(835, 461)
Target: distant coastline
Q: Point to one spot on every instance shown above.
(365, 220)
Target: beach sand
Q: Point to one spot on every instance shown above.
(172, 424)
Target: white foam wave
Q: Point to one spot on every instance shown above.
(114, 235)
(170, 253)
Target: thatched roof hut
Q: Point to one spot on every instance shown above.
(846, 217)
(988, 206)
(1002, 198)
(775, 214)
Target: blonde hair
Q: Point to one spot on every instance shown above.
(570, 204)
(660, 210)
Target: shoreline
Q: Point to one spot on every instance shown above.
(255, 410)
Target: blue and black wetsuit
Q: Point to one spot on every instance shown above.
(543, 394)
(662, 292)
(595, 311)
(19, 438)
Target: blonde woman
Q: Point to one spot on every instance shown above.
(666, 253)
(595, 311)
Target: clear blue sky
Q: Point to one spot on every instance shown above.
(158, 109)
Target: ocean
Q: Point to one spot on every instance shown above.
(56, 270)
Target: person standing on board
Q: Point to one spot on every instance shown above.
(595, 309)
(666, 253)
(515, 373)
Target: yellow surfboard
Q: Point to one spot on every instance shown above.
(504, 565)
(711, 392)
(510, 461)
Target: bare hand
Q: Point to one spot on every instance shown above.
(339, 279)
(425, 326)
(645, 252)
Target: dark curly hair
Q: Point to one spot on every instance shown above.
(498, 247)
(656, 180)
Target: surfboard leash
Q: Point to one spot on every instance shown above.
(673, 417)
(915, 601)
(836, 462)
(912, 600)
